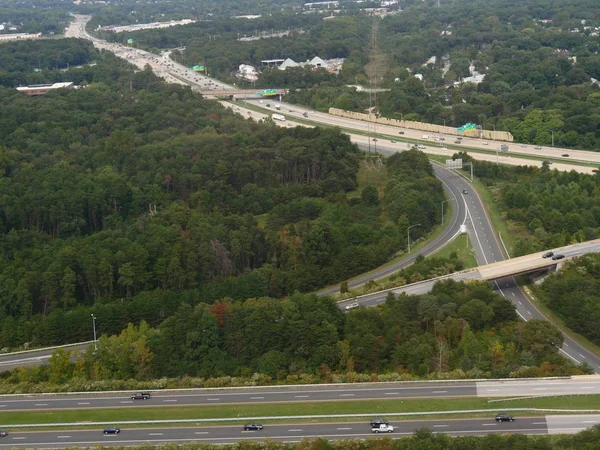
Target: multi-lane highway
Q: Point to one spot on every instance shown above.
(304, 393)
(296, 432)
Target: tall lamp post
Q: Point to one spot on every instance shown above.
(408, 234)
(552, 131)
(94, 325)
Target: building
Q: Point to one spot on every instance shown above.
(247, 72)
(41, 89)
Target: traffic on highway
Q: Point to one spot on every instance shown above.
(230, 434)
(303, 393)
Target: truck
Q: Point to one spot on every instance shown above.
(383, 429)
(278, 117)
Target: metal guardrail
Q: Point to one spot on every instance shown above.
(530, 397)
(44, 349)
(290, 386)
(317, 416)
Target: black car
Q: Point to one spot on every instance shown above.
(112, 430)
(376, 422)
(557, 257)
(3, 433)
(566, 155)
(400, 132)
(140, 396)
(548, 255)
(465, 191)
(253, 427)
(504, 418)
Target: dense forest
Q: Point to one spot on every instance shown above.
(457, 330)
(574, 295)
(129, 189)
(48, 17)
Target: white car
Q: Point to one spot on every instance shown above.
(383, 429)
(421, 147)
(352, 306)
(485, 142)
(425, 136)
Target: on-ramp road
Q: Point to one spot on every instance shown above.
(296, 432)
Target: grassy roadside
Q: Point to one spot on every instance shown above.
(559, 323)
(465, 253)
(378, 407)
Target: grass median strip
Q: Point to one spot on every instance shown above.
(378, 407)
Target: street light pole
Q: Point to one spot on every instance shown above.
(408, 234)
(552, 131)
(94, 325)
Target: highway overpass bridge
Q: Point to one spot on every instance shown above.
(249, 94)
(489, 272)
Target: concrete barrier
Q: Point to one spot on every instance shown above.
(422, 126)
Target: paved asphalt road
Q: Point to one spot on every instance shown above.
(32, 357)
(313, 393)
(454, 194)
(294, 432)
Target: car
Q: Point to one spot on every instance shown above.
(557, 257)
(444, 147)
(305, 114)
(523, 146)
(425, 136)
(393, 142)
(376, 422)
(383, 429)
(253, 427)
(547, 162)
(268, 105)
(374, 139)
(112, 430)
(400, 132)
(465, 192)
(538, 147)
(594, 170)
(3, 433)
(548, 255)
(140, 396)
(566, 155)
(352, 306)
(485, 142)
(421, 147)
(504, 418)
(457, 141)
(459, 138)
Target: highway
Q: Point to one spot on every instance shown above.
(296, 432)
(306, 393)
